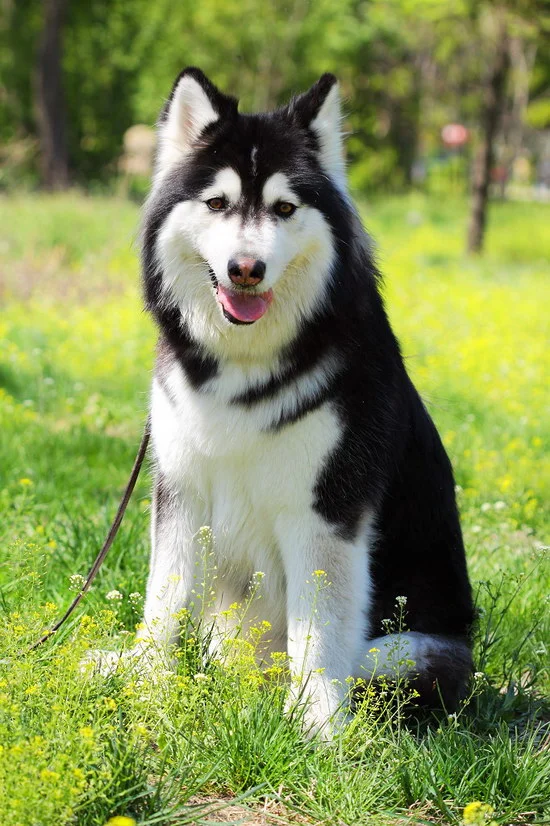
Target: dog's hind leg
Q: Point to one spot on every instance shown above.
(435, 668)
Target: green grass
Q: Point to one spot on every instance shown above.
(76, 354)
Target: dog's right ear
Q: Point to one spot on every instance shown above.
(194, 104)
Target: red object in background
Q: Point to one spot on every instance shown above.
(499, 174)
(454, 134)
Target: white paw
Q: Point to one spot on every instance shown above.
(320, 706)
(143, 661)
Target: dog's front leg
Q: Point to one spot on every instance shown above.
(327, 600)
(174, 525)
(176, 518)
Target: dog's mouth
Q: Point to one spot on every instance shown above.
(239, 306)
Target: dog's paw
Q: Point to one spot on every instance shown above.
(104, 663)
(319, 708)
(143, 661)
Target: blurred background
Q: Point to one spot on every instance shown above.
(444, 97)
(447, 115)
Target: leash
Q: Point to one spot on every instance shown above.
(110, 536)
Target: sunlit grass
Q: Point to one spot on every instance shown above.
(76, 353)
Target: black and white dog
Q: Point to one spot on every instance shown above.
(282, 414)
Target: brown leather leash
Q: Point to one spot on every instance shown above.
(110, 536)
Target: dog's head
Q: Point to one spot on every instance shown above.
(240, 226)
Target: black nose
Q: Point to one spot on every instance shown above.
(246, 272)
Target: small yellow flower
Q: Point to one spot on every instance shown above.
(87, 733)
(48, 775)
(120, 820)
(374, 651)
(477, 813)
(319, 572)
(110, 704)
(87, 623)
(25, 483)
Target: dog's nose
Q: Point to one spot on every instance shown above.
(246, 272)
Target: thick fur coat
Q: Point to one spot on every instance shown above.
(282, 413)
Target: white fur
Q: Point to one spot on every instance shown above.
(256, 490)
(227, 184)
(298, 254)
(189, 114)
(277, 188)
(328, 126)
(400, 654)
(264, 415)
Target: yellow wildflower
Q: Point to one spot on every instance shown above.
(120, 820)
(477, 813)
(48, 775)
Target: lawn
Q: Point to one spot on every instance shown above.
(76, 354)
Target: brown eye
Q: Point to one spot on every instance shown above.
(284, 209)
(215, 204)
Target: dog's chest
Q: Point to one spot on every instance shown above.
(246, 478)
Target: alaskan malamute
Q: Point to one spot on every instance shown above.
(282, 413)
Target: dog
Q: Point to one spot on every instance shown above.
(282, 415)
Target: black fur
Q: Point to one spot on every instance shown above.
(390, 459)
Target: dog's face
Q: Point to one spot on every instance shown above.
(242, 209)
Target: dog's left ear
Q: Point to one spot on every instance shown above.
(319, 109)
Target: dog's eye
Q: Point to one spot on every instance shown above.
(216, 204)
(284, 209)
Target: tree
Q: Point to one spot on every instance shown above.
(512, 23)
(50, 100)
(492, 109)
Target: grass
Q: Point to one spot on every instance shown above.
(210, 743)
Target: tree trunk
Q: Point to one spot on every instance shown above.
(494, 98)
(50, 100)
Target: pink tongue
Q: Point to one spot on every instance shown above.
(244, 306)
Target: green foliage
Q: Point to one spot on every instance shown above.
(105, 42)
(75, 359)
(406, 69)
